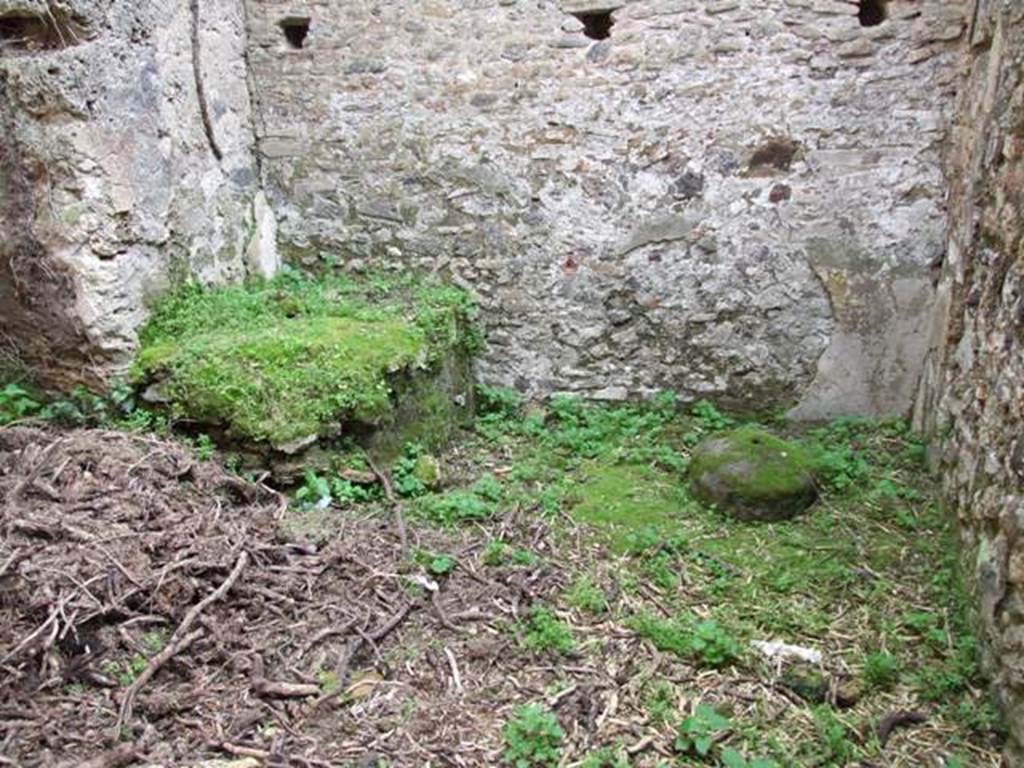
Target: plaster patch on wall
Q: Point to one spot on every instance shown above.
(874, 358)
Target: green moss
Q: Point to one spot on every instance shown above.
(428, 471)
(628, 499)
(284, 360)
(779, 467)
(429, 407)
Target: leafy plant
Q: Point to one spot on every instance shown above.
(525, 557)
(488, 488)
(495, 552)
(315, 490)
(661, 569)
(344, 491)
(204, 447)
(709, 418)
(403, 473)
(881, 669)
(436, 563)
(712, 645)
(835, 742)
(696, 734)
(17, 403)
(586, 596)
(454, 507)
(730, 758)
(498, 401)
(543, 631)
(154, 642)
(705, 642)
(533, 738)
(328, 681)
(606, 757)
(127, 670)
(661, 703)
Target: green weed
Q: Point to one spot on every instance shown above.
(661, 703)
(586, 596)
(498, 412)
(704, 642)
(126, 671)
(543, 631)
(730, 758)
(452, 508)
(153, 642)
(204, 447)
(438, 564)
(403, 474)
(696, 734)
(708, 418)
(881, 670)
(834, 746)
(17, 403)
(495, 552)
(533, 738)
(479, 502)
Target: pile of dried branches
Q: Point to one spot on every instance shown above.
(150, 612)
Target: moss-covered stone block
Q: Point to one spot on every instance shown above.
(752, 475)
(290, 365)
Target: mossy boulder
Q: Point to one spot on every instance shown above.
(285, 365)
(752, 475)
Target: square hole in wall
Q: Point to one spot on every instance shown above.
(40, 33)
(871, 13)
(295, 29)
(597, 24)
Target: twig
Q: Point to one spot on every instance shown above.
(354, 645)
(456, 677)
(323, 634)
(16, 557)
(894, 720)
(241, 750)
(180, 640)
(435, 600)
(57, 610)
(380, 633)
(33, 475)
(283, 690)
(396, 505)
(114, 758)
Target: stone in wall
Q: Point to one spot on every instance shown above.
(972, 397)
(739, 199)
(127, 162)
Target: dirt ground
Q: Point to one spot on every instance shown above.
(123, 556)
(152, 613)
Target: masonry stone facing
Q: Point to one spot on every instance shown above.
(972, 401)
(738, 199)
(127, 163)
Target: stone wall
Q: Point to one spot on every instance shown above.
(126, 161)
(972, 399)
(739, 199)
